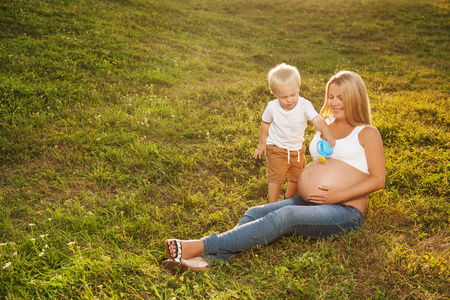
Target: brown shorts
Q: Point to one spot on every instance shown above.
(278, 166)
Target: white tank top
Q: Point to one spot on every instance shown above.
(348, 150)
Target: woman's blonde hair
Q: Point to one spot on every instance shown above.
(354, 98)
(283, 74)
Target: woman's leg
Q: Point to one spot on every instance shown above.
(257, 212)
(192, 248)
(263, 224)
(312, 221)
(251, 215)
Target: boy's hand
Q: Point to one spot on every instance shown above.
(330, 140)
(322, 126)
(261, 149)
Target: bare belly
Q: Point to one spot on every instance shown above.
(332, 173)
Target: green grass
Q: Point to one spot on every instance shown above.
(123, 123)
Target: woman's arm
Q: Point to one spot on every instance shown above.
(371, 140)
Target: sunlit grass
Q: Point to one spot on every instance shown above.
(125, 123)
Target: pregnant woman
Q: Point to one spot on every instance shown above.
(333, 195)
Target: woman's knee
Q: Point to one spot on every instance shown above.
(255, 212)
(260, 211)
(286, 214)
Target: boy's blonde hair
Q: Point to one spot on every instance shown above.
(354, 98)
(283, 74)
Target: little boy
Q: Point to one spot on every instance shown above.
(282, 130)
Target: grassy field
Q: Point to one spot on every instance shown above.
(123, 123)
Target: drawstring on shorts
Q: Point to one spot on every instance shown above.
(289, 156)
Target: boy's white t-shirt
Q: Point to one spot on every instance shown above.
(287, 128)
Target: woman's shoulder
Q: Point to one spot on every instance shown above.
(369, 129)
(369, 133)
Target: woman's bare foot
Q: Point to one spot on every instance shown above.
(178, 249)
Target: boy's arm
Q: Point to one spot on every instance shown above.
(322, 126)
(262, 140)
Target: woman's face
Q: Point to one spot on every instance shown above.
(335, 101)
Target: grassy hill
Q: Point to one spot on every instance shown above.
(123, 123)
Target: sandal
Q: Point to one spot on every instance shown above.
(177, 267)
(177, 245)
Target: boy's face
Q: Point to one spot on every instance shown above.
(287, 94)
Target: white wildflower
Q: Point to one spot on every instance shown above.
(7, 265)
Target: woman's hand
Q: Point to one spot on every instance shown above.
(329, 196)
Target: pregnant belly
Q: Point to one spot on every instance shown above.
(332, 173)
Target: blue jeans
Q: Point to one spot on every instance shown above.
(263, 224)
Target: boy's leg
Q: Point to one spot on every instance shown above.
(277, 167)
(291, 189)
(296, 167)
(274, 192)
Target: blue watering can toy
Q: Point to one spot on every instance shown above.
(324, 150)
